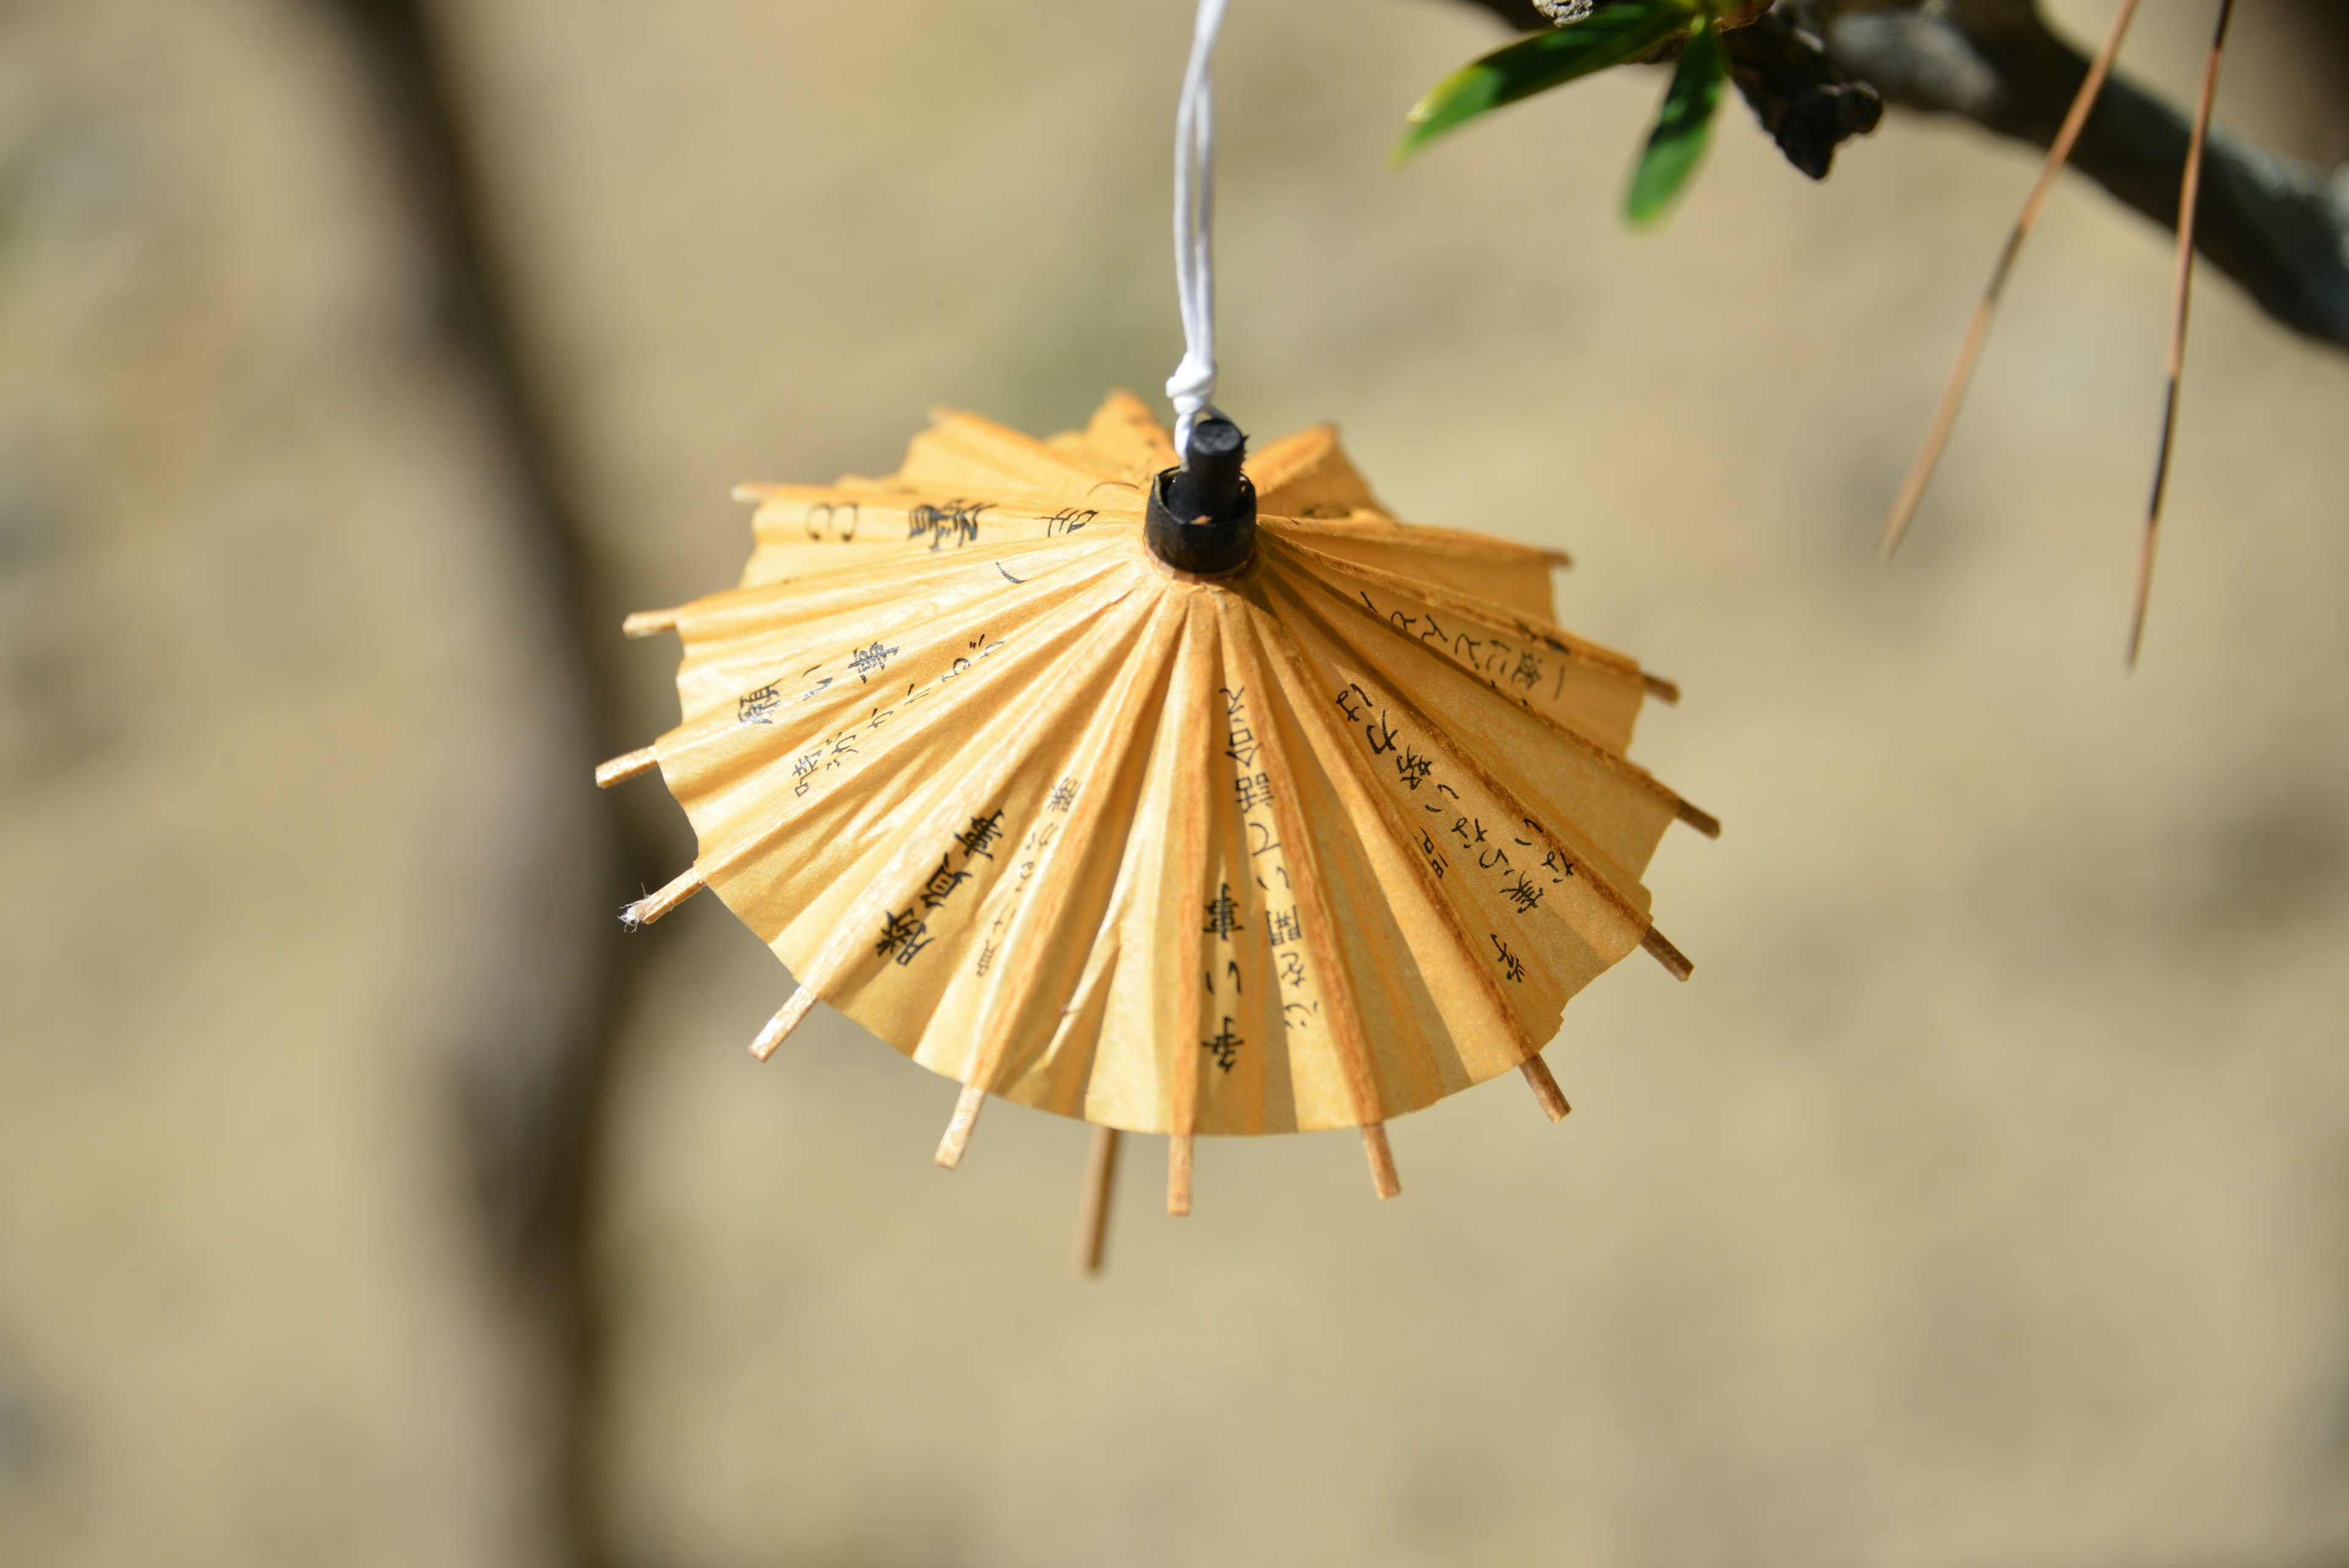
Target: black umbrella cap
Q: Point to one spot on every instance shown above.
(1201, 516)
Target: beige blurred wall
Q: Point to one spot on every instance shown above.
(1985, 1198)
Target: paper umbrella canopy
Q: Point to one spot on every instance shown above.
(1307, 843)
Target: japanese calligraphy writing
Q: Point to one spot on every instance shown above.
(1223, 914)
(941, 884)
(1511, 965)
(957, 520)
(757, 707)
(982, 834)
(870, 661)
(902, 935)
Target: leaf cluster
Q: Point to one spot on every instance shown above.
(1618, 34)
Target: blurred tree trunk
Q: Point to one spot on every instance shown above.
(536, 1138)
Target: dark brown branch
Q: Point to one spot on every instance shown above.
(2278, 226)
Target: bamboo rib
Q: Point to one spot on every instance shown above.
(621, 769)
(779, 1026)
(1662, 689)
(1178, 1175)
(964, 1118)
(1309, 616)
(652, 906)
(649, 623)
(1382, 1158)
(1546, 1090)
(1318, 727)
(1704, 822)
(1945, 418)
(1675, 961)
(2188, 200)
(1244, 662)
(1093, 1219)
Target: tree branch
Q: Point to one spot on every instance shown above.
(2277, 225)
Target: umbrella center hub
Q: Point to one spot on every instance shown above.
(1201, 516)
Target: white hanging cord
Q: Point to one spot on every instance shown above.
(1192, 387)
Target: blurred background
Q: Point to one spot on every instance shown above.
(366, 1198)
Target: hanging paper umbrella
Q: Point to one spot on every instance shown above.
(1174, 799)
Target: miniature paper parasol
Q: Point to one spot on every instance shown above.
(1111, 788)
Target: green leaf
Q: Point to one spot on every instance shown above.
(1546, 60)
(1684, 126)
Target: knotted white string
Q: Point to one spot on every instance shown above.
(1192, 387)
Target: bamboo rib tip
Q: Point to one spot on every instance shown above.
(1382, 1158)
(1547, 1094)
(957, 1136)
(621, 769)
(650, 623)
(1676, 962)
(1662, 689)
(1178, 1175)
(1092, 1218)
(1703, 821)
(652, 906)
(779, 1026)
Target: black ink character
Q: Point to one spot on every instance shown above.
(825, 519)
(1223, 914)
(956, 520)
(1064, 796)
(1285, 927)
(902, 935)
(1435, 860)
(870, 661)
(1252, 790)
(1225, 1047)
(981, 838)
(757, 707)
(1511, 965)
(941, 884)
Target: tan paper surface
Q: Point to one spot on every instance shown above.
(1307, 847)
